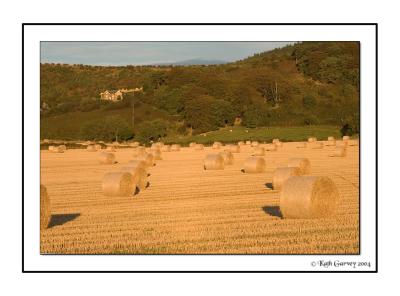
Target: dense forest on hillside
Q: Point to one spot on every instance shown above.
(308, 83)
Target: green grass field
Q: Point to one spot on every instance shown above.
(264, 134)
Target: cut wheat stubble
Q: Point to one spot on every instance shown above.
(307, 197)
(198, 147)
(270, 147)
(339, 151)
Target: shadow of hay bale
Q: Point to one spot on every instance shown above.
(60, 219)
(273, 211)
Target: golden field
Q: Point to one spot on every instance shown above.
(187, 210)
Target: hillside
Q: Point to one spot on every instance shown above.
(309, 83)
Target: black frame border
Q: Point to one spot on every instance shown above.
(219, 271)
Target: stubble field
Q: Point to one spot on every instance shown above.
(187, 210)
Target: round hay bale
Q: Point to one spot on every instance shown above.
(148, 158)
(346, 138)
(233, 148)
(135, 144)
(107, 158)
(274, 141)
(303, 164)
(139, 176)
(45, 208)
(91, 148)
(301, 145)
(315, 145)
(330, 142)
(56, 149)
(138, 151)
(279, 144)
(118, 184)
(270, 147)
(63, 147)
(214, 162)
(307, 197)
(331, 138)
(110, 149)
(138, 163)
(157, 154)
(51, 148)
(228, 157)
(248, 142)
(241, 143)
(352, 142)
(175, 147)
(192, 144)
(97, 147)
(160, 144)
(216, 145)
(312, 139)
(254, 144)
(198, 147)
(166, 148)
(254, 164)
(282, 174)
(259, 151)
(339, 151)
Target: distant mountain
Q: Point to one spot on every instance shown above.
(195, 62)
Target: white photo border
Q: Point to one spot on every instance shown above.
(33, 34)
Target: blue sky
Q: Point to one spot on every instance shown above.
(142, 53)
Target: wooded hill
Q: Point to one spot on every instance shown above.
(308, 83)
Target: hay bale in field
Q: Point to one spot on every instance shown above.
(166, 148)
(63, 147)
(315, 145)
(270, 147)
(138, 163)
(279, 144)
(306, 197)
(45, 208)
(282, 174)
(330, 142)
(157, 154)
(214, 162)
(228, 157)
(312, 139)
(342, 144)
(248, 142)
(138, 151)
(259, 151)
(303, 164)
(274, 141)
(56, 149)
(192, 144)
(139, 176)
(331, 138)
(216, 145)
(198, 147)
(254, 164)
(339, 151)
(346, 138)
(148, 158)
(118, 184)
(135, 144)
(352, 142)
(233, 148)
(107, 158)
(175, 147)
(254, 144)
(241, 143)
(110, 149)
(91, 148)
(97, 147)
(301, 145)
